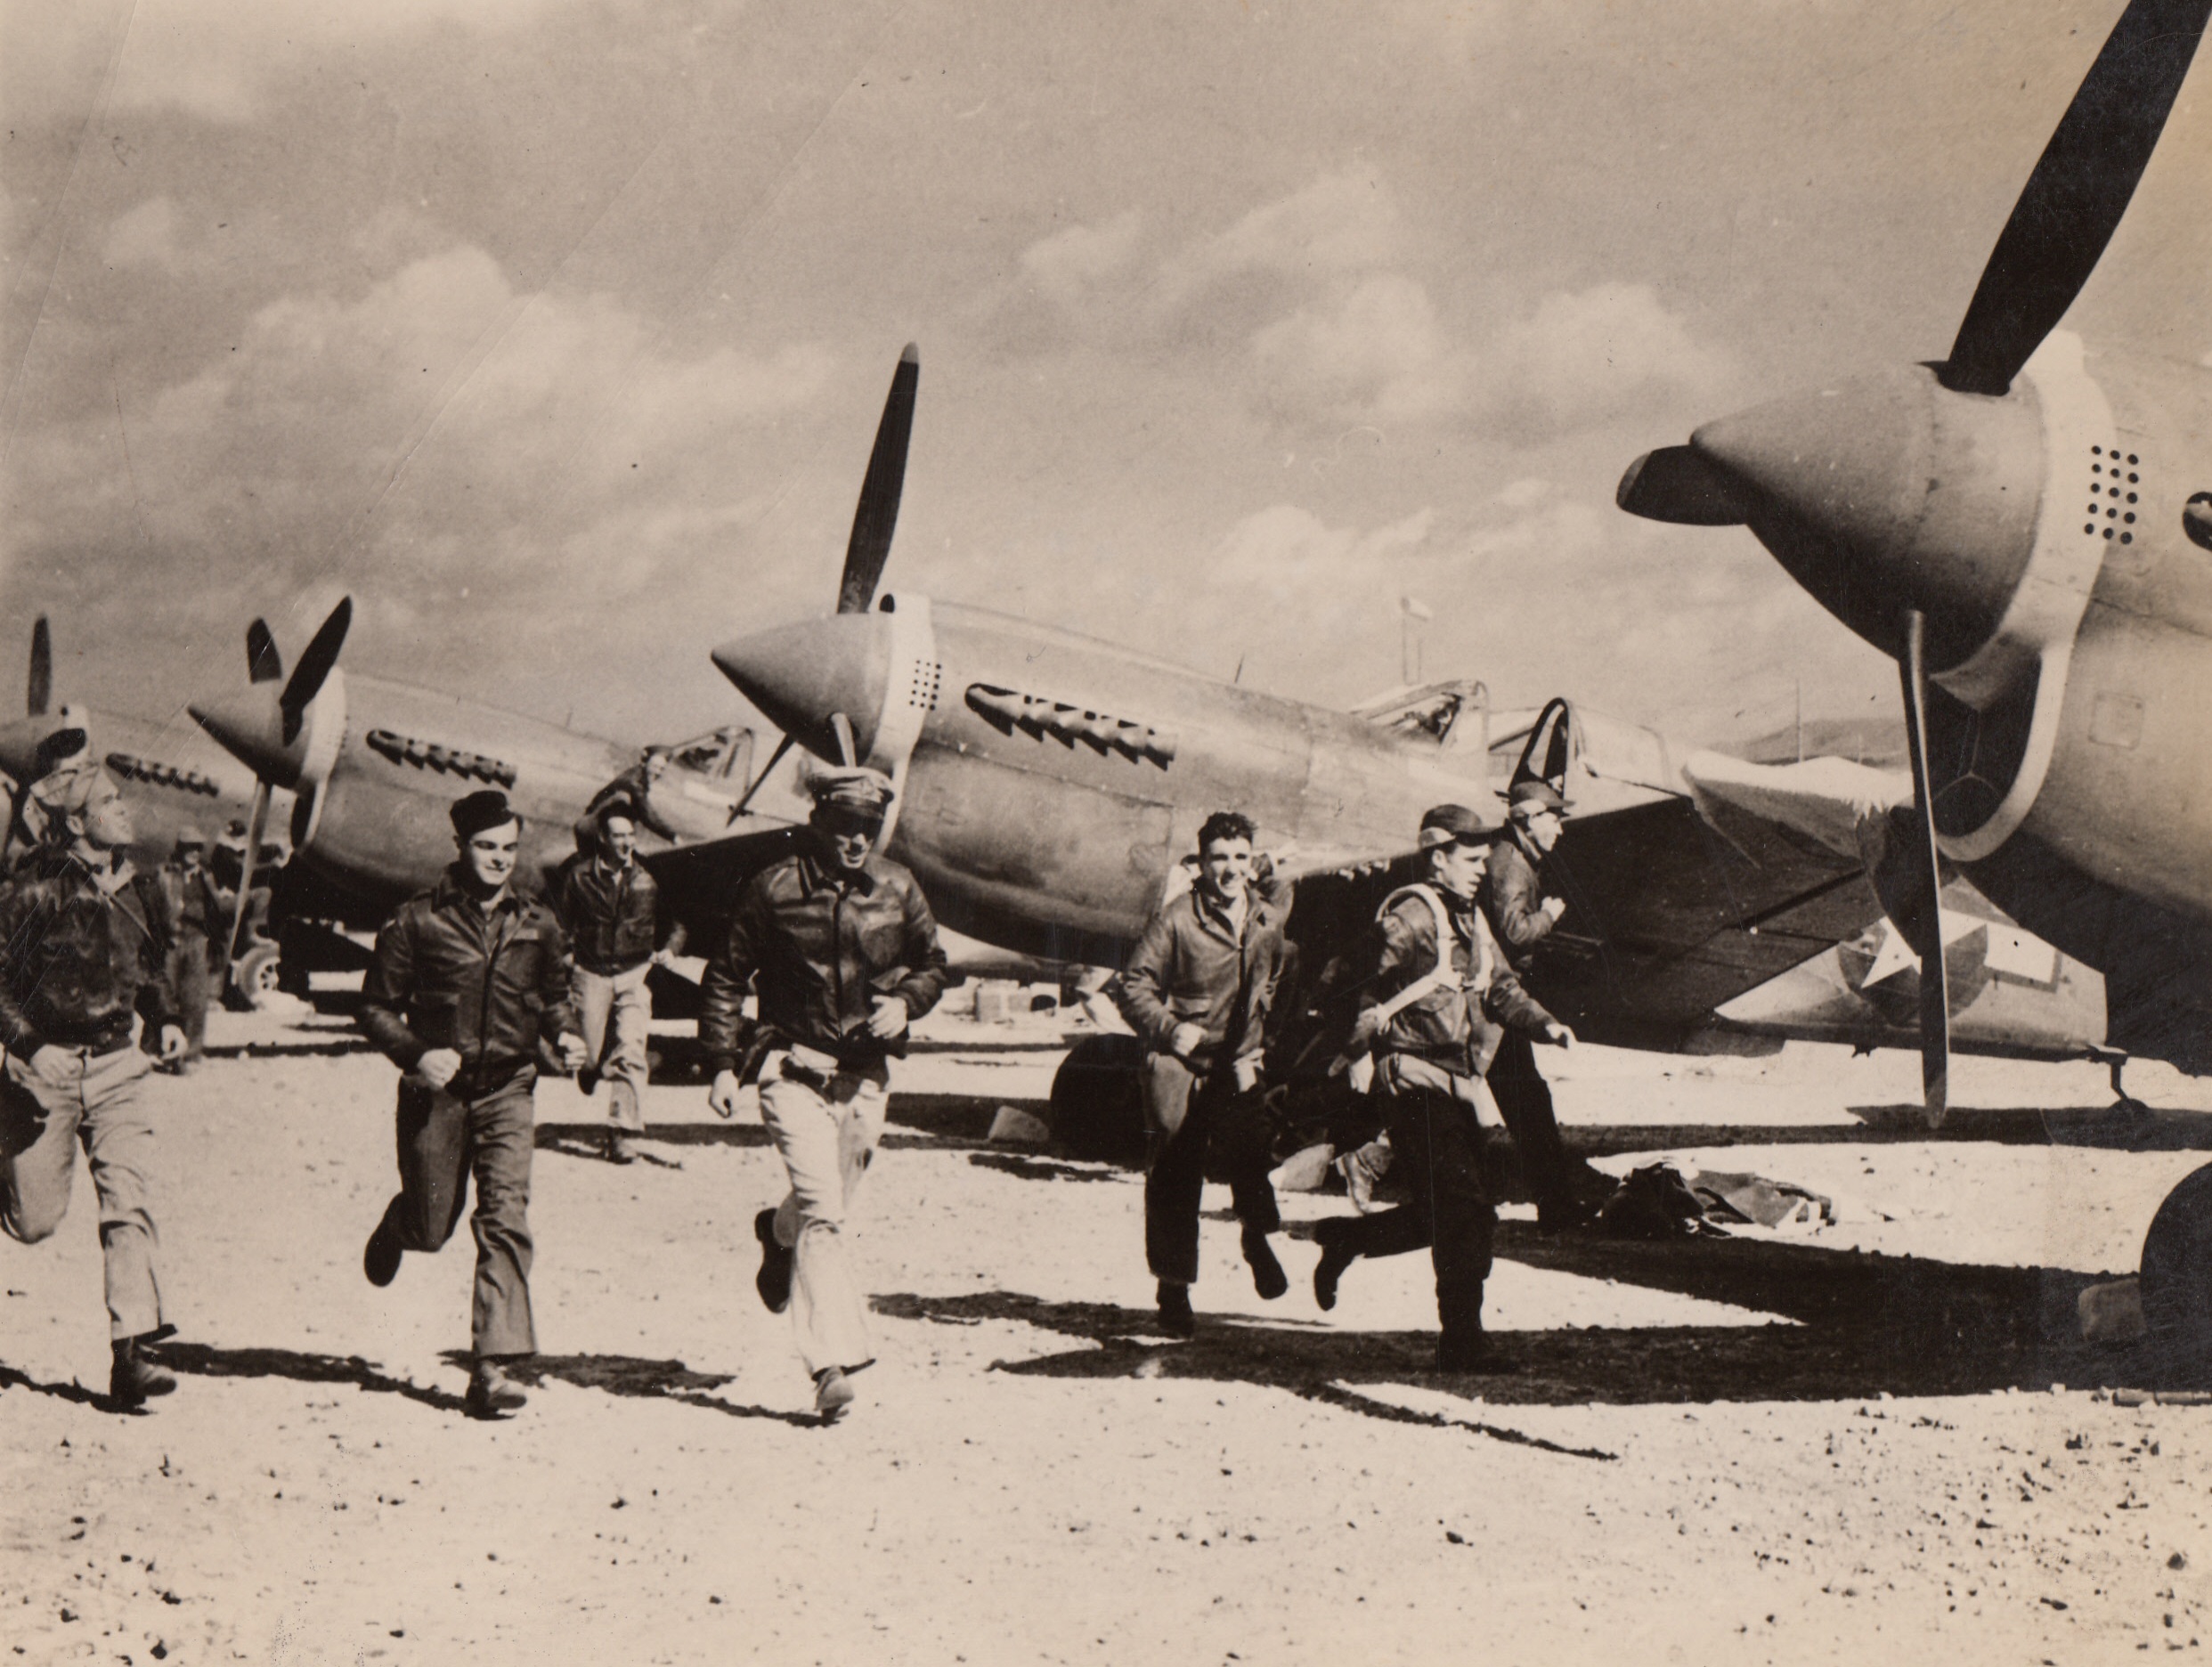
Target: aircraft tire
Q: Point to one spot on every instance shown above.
(257, 976)
(2176, 1283)
(1097, 1107)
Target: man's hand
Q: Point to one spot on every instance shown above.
(439, 1066)
(48, 1060)
(1558, 1035)
(172, 1044)
(1361, 1074)
(575, 1055)
(1186, 1039)
(1247, 1072)
(890, 1018)
(723, 1097)
(1554, 906)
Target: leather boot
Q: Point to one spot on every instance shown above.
(135, 1376)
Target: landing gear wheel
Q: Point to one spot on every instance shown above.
(2177, 1271)
(1098, 1110)
(255, 977)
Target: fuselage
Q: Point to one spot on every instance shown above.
(1049, 781)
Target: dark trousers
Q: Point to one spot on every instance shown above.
(446, 1136)
(1525, 1102)
(188, 978)
(1437, 1146)
(1199, 1124)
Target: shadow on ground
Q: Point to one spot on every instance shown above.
(201, 1361)
(2129, 1128)
(649, 1379)
(1867, 1325)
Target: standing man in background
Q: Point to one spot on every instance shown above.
(610, 907)
(469, 977)
(190, 896)
(84, 943)
(1520, 917)
(840, 946)
(1198, 990)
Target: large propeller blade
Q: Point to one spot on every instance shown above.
(2073, 201)
(877, 515)
(256, 824)
(775, 758)
(1924, 910)
(314, 666)
(40, 694)
(264, 663)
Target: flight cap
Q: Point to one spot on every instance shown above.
(1450, 822)
(1535, 795)
(488, 809)
(850, 787)
(190, 838)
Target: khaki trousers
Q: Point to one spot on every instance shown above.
(617, 1013)
(94, 1099)
(827, 1127)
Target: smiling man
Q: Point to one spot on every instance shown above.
(467, 978)
(839, 945)
(87, 939)
(1198, 988)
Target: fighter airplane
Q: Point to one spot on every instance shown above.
(2024, 527)
(1049, 782)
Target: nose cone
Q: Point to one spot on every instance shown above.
(1889, 492)
(799, 675)
(19, 745)
(249, 724)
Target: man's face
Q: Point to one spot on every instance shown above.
(490, 855)
(1227, 865)
(1543, 828)
(621, 834)
(1458, 866)
(188, 856)
(105, 821)
(849, 834)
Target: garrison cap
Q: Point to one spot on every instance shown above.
(1536, 794)
(618, 806)
(190, 838)
(850, 788)
(480, 810)
(1450, 822)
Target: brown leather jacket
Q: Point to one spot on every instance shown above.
(1459, 1024)
(1512, 900)
(447, 975)
(76, 960)
(819, 946)
(1190, 967)
(613, 915)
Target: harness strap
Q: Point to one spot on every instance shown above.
(1442, 975)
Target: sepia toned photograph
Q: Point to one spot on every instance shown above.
(953, 832)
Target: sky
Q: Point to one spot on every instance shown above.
(555, 332)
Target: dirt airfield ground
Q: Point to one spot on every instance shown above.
(1842, 1446)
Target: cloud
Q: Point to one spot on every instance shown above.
(213, 61)
(144, 236)
(1376, 354)
(1343, 221)
(1070, 264)
(1284, 545)
(1607, 353)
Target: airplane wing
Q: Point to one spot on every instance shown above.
(1679, 904)
(700, 882)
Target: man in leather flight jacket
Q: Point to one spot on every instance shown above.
(1197, 990)
(83, 943)
(610, 907)
(1442, 997)
(467, 978)
(841, 949)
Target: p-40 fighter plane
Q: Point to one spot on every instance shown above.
(2026, 527)
(1049, 782)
